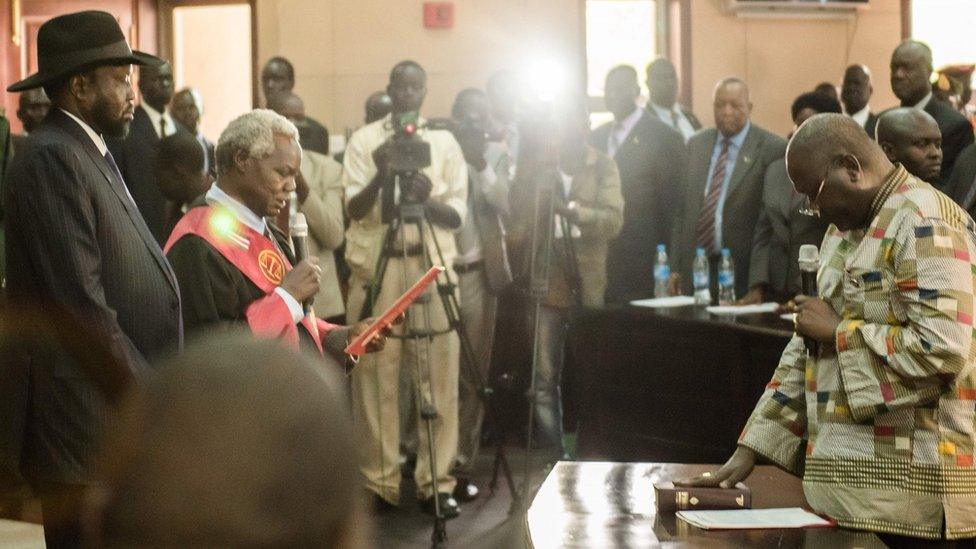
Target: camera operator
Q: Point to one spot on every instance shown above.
(584, 185)
(441, 188)
(482, 267)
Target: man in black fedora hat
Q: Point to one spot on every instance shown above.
(79, 252)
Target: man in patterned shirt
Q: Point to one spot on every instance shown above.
(880, 422)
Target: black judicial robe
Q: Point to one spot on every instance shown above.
(217, 294)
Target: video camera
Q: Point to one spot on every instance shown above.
(408, 155)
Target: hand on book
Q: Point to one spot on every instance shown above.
(735, 470)
(376, 344)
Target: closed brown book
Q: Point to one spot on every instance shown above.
(671, 498)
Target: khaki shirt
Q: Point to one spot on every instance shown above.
(447, 172)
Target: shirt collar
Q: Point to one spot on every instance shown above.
(737, 139)
(892, 181)
(97, 139)
(631, 120)
(155, 115)
(216, 196)
(861, 116)
(924, 102)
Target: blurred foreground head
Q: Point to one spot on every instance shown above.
(238, 443)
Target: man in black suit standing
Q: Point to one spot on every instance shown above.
(662, 83)
(855, 94)
(278, 75)
(911, 66)
(79, 252)
(136, 151)
(650, 157)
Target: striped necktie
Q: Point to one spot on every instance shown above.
(705, 236)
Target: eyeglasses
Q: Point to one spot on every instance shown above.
(811, 207)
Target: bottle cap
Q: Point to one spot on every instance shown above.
(726, 252)
(660, 247)
(699, 251)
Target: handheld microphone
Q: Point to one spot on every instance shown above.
(299, 240)
(809, 263)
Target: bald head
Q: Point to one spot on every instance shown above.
(731, 106)
(833, 150)
(378, 105)
(912, 138)
(911, 68)
(662, 82)
(32, 108)
(289, 105)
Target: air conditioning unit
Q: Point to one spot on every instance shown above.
(796, 9)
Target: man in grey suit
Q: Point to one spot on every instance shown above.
(79, 252)
(722, 195)
(482, 268)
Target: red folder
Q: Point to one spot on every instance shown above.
(358, 346)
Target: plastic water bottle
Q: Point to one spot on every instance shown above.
(662, 272)
(726, 279)
(703, 295)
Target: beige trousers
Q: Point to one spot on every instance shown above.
(375, 388)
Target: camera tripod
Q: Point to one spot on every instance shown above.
(395, 246)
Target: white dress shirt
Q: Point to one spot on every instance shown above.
(861, 116)
(675, 118)
(622, 129)
(924, 102)
(258, 224)
(155, 116)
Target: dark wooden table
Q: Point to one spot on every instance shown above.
(668, 385)
(604, 504)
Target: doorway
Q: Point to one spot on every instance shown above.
(211, 47)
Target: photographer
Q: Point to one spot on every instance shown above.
(441, 188)
(482, 267)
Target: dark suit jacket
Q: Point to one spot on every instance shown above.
(651, 161)
(962, 179)
(77, 248)
(313, 136)
(871, 125)
(489, 214)
(135, 156)
(743, 202)
(211, 151)
(781, 230)
(957, 133)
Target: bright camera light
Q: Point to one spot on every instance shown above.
(546, 78)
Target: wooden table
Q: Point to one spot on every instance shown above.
(603, 504)
(667, 385)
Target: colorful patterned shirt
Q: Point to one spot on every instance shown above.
(883, 430)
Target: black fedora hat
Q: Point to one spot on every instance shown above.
(78, 41)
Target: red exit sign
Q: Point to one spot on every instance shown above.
(438, 15)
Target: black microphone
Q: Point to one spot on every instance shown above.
(299, 240)
(809, 263)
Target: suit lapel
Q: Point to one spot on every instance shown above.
(73, 129)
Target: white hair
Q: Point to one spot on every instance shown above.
(254, 133)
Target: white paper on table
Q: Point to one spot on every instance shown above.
(753, 519)
(743, 309)
(665, 302)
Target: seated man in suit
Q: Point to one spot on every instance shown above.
(662, 82)
(855, 94)
(721, 199)
(187, 108)
(32, 108)
(911, 66)
(911, 138)
(773, 270)
(650, 157)
(277, 76)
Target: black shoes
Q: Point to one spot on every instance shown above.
(449, 505)
(378, 504)
(465, 491)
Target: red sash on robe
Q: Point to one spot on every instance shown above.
(258, 258)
